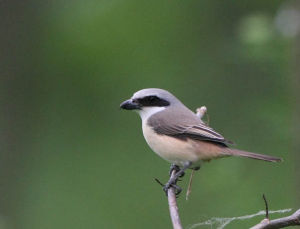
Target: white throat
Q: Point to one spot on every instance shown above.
(146, 112)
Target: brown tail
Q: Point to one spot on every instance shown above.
(236, 152)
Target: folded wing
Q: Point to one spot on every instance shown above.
(192, 128)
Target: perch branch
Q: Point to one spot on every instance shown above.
(287, 221)
(173, 208)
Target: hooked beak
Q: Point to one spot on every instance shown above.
(130, 105)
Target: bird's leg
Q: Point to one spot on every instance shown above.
(173, 167)
(173, 179)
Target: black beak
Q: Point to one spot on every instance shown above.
(129, 105)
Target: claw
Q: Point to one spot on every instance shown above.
(166, 188)
(176, 187)
(181, 174)
(177, 190)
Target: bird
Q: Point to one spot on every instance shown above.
(178, 135)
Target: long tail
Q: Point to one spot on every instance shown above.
(236, 152)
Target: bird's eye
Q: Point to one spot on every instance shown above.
(152, 98)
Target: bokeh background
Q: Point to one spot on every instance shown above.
(70, 158)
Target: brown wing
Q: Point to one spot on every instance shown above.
(189, 127)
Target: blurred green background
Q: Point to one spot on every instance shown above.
(70, 158)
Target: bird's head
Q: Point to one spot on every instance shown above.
(149, 101)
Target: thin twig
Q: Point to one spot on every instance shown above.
(267, 208)
(189, 189)
(287, 221)
(158, 181)
(173, 208)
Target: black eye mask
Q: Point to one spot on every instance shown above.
(153, 101)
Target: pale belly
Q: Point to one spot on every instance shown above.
(179, 151)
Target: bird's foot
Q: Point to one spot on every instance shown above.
(174, 178)
(177, 170)
(172, 184)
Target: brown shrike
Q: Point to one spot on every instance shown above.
(178, 135)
